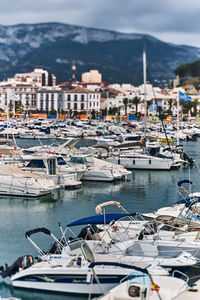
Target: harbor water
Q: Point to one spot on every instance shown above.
(146, 192)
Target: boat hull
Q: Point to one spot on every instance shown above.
(69, 280)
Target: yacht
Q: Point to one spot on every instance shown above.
(92, 171)
(14, 181)
(137, 160)
(55, 167)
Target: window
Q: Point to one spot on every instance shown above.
(75, 97)
(82, 106)
(52, 166)
(75, 106)
(47, 104)
(68, 105)
(68, 97)
(82, 97)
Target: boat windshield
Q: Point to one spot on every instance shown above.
(36, 163)
(76, 160)
(61, 161)
(87, 252)
(81, 160)
(89, 159)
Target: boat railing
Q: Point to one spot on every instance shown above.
(180, 273)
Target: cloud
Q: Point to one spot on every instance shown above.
(168, 19)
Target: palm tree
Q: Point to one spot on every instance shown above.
(149, 103)
(186, 106)
(195, 104)
(136, 101)
(170, 102)
(125, 102)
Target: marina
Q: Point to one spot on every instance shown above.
(145, 191)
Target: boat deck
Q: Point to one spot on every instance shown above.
(193, 293)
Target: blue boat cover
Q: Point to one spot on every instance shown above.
(100, 219)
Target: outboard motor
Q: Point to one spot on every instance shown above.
(186, 157)
(22, 262)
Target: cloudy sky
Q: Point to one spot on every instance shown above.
(175, 21)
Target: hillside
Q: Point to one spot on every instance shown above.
(118, 56)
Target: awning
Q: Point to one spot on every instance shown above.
(100, 219)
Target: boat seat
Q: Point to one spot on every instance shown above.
(169, 252)
(149, 249)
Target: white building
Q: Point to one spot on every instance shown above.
(81, 100)
(25, 91)
(39, 76)
(68, 100)
(48, 100)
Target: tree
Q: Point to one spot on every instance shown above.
(170, 102)
(136, 101)
(149, 103)
(186, 106)
(195, 104)
(125, 102)
(53, 112)
(93, 113)
(162, 113)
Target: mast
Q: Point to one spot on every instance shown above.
(178, 108)
(145, 96)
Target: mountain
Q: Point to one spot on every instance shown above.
(118, 56)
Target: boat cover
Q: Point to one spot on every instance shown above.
(100, 219)
(36, 230)
(184, 181)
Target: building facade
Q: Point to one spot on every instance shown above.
(77, 99)
(39, 76)
(25, 92)
(92, 76)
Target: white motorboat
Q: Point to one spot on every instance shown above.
(55, 167)
(147, 287)
(79, 274)
(14, 181)
(135, 160)
(93, 171)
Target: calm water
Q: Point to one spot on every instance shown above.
(147, 191)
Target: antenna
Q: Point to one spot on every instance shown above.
(73, 71)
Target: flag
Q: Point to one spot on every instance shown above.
(196, 210)
(183, 97)
(12, 96)
(182, 190)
